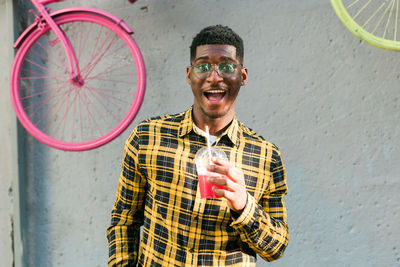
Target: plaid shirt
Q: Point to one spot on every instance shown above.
(158, 189)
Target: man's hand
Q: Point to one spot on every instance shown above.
(232, 179)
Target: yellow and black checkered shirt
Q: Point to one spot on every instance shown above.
(158, 190)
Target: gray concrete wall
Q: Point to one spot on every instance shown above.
(9, 205)
(330, 102)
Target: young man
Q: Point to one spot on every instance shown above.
(158, 186)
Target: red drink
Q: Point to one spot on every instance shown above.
(202, 161)
(206, 187)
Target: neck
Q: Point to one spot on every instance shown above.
(216, 126)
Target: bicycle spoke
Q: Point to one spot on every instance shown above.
(90, 116)
(381, 19)
(114, 75)
(43, 76)
(373, 15)
(92, 66)
(25, 70)
(73, 117)
(396, 20)
(111, 104)
(109, 99)
(109, 96)
(53, 118)
(80, 46)
(362, 9)
(41, 103)
(112, 91)
(109, 111)
(62, 121)
(95, 49)
(73, 34)
(85, 39)
(352, 4)
(388, 21)
(38, 103)
(110, 70)
(115, 51)
(27, 78)
(59, 79)
(48, 58)
(36, 94)
(116, 81)
(49, 111)
(81, 120)
(61, 51)
(37, 86)
(35, 64)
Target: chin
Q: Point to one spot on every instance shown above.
(216, 114)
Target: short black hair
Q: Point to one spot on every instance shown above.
(217, 34)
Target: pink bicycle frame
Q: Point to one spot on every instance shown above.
(69, 50)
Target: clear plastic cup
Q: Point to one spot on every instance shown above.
(202, 161)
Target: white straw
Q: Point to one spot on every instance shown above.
(208, 145)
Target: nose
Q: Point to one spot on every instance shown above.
(214, 76)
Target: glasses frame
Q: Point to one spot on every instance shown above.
(207, 73)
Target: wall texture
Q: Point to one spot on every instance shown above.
(330, 102)
(8, 129)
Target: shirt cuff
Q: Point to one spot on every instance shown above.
(247, 214)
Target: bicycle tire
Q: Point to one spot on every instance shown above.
(375, 22)
(114, 75)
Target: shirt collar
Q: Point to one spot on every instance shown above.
(232, 132)
(187, 123)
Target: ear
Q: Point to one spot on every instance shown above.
(188, 71)
(244, 76)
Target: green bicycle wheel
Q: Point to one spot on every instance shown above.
(373, 21)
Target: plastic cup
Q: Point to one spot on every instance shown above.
(202, 161)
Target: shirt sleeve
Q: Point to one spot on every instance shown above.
(263, 226)
(127, 214)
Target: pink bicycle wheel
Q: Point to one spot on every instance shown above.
(78, 116)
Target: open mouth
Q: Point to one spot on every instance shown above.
(215, 95)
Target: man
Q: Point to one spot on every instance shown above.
(158, 185)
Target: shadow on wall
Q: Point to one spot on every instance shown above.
(34, 199)
(33, 182)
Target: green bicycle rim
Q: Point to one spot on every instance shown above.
(358, 31)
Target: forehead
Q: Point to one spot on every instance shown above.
(216, 51)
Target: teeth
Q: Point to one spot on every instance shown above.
(215, 91)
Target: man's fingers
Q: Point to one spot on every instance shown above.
(221, 169)
(224, 181)
(225, 168)
(221, 162)
(219, 180)
(232, 173)
(220, 192)
(235, 174)
(229, 195)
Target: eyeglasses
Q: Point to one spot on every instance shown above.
(224, 69)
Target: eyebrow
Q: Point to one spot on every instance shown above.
(222, 58)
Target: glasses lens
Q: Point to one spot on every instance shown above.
(202, 68)
(226, 67)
